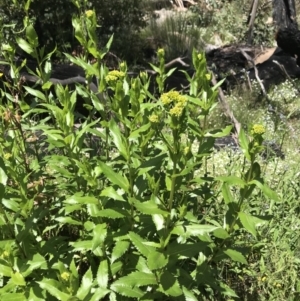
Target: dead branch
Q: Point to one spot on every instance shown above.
(251, 61)
(227, 110)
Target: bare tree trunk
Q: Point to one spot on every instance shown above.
(284, 13)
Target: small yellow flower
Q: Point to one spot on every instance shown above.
(123, 65)
(208, 76)
(161, 52)
(186, 150)
(263, 279)
(154, 118)
(278, 285)
(143, 74)
(1, 74)
(7, 156)
(65, 276)
(89, 13)
(258, 129)
(4, 255)
(176, 111)
(199, 56)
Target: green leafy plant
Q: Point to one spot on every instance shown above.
(119, 207)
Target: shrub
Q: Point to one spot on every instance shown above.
(53, 22)
(123, 206)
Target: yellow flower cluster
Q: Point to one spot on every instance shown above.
(4, 255)
(114, 75)
(154, 118)
(89, 13)
(258, 129)
(173, 96)
(161, 52)
(7, 155)
(65, 276)
(186, 150)
(176, 111)
(208, 76)
(176, 98)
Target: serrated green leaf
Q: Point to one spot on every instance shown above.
(227, 291)
(114, 177)
(136, 279)
(170, 285)
(136, 133)
(102, 274)
(157, 260)
(13, 297)
(83, 200)
(189, 296)
(86, 284)
(85, 245)
(267, 191)
(219, 133)
(67, 220)
(5, 270)
(221, 233)
(127, 291)
(116, 267)
(159, 221)
(99, 235)
(149, 207)
(3, 175)
(187, 250)
(119, 249)
(233, 180)
(51, 287)
(236, 256)
(35, 93)
(110, 192)
(18, 279)
(244, 144)
(32, 36)
(118, 139)
(248, 222)
(36, 294)
(138, 242)
(11, 204)
(226, 193)
(99, 294)
(24, 45)
(38, 261)
(113, 213)
(195, 230)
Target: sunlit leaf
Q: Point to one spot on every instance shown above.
(120, 248)
(99, 235)
(86, 284)
(157, 260)
(249, 222)
(236, 256)
(170, 285)
(136, 279)
(138, 242)
(51, 286)
(114, 177)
